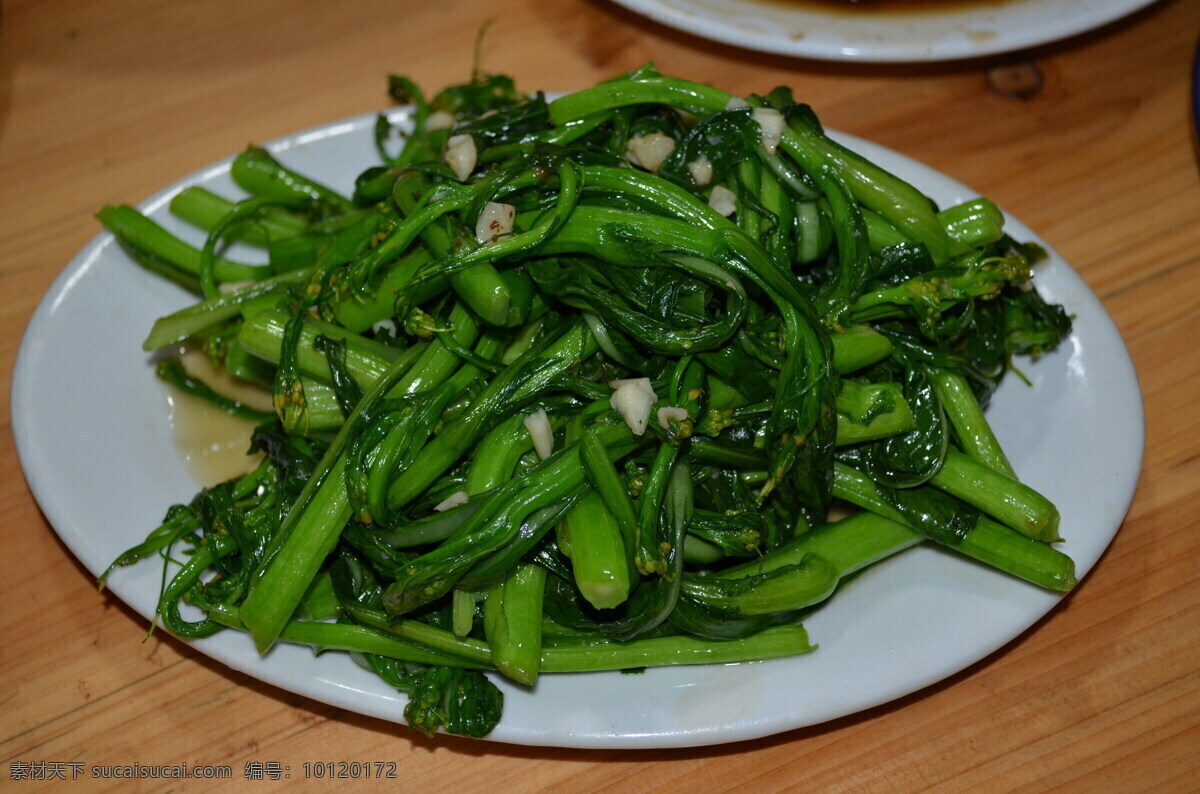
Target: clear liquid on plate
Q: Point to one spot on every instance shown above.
(212, 443)
(860, 7)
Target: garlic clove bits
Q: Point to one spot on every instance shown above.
(771, 122)
(538, 425)
(495, 221)
(461, 156)
(453, 500)
(633, 399)
(649, 151)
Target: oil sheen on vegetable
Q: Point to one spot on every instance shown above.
(212, 443)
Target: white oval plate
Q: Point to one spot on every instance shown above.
(90, 422)
(863, 35)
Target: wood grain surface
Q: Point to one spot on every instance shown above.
(104, 101)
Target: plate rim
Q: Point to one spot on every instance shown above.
(664, 12)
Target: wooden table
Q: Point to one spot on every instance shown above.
(105, 102)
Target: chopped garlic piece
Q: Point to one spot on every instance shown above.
(453, 500)
(736, 103)
(388, 325)
(641, 383)
(723, 200)
(701, 170)
(633, 400)
(440, 120)
(461, 156)
(540, 431)
(494, 221)
(669, 412)
(770, 121)
(649, 151)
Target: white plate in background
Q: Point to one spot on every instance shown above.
(859, 34)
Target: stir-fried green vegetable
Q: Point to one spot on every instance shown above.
(573, 385)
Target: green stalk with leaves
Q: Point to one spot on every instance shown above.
(572, 386)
